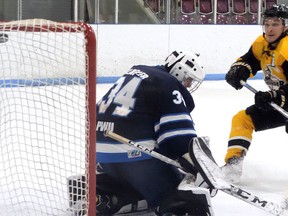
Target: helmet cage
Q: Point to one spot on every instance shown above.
(186, 68)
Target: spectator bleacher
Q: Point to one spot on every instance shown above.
(228, 11)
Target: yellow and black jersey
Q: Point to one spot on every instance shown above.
(273, 62)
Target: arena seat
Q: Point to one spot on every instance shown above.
(188, 6)
(223, 11)
(205, 6)
(206, 11)
(223, 6)
(188, 13)
(253, 6)
(269, 3)
(253, 11)
(239, 6)
(239, 12)
(154, 5)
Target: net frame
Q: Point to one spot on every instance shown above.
(41, 25)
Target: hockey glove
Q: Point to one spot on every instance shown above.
(238, 71)
(262, 99)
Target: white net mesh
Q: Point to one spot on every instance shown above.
(43, 115)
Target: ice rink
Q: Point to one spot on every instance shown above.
(265, 171)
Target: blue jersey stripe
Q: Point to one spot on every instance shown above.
(175, 133)
(121, 157)
(172, 119)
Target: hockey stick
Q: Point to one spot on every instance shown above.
(248, 197)
(210, 169)
(274, 105)
(142, 148)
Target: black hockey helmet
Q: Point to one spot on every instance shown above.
(280, 11)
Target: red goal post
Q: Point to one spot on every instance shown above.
(47, 118)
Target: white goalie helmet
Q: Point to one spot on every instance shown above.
(187, 68)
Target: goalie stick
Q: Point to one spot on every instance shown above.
(274, 105)
(208, 166)
(211, 172)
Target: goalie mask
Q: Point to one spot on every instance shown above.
(185, 66)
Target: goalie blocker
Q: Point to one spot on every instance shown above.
(115, 198)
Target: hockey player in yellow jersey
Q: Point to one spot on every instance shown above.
(269, 53)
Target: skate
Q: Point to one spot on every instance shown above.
(232, 170)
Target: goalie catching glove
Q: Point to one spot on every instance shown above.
(239, 71)
(262, 99)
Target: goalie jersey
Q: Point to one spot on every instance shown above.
(149, 106)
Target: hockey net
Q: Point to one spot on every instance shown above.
(47, 117)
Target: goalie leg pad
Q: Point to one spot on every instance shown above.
(186, 202)
(115, 197)
(206, 165)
